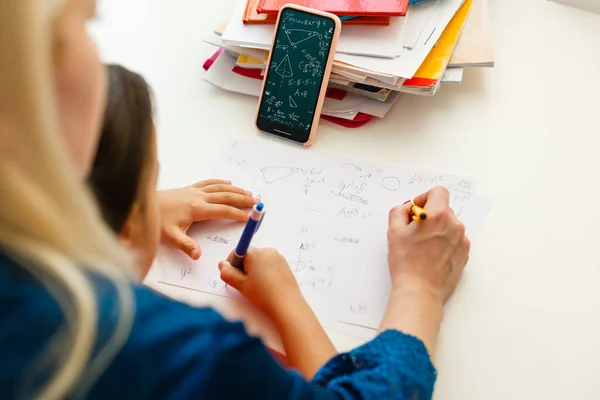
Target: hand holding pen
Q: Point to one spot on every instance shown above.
(261, 275)
(427, 255)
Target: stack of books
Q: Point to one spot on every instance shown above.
(386, 48)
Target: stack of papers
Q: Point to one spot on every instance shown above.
(377, 57)
(222, 74)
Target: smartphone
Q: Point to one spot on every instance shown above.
(297, 73)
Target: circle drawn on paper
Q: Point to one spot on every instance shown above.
(390, 183)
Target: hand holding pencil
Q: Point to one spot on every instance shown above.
(427, 256)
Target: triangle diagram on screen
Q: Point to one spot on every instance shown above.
(296, 36)
(293, 103)
(284, 69)
(274, 174)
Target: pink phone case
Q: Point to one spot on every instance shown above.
(326, 74)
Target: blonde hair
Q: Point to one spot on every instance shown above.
(48, 220)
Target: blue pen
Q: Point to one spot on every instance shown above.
(254, 220)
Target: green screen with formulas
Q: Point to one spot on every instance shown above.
(295, 73)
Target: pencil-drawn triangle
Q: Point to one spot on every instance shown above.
(296, 36)
(274, 174)
(284, 69)
(293, 103)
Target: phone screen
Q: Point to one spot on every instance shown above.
(295, 74)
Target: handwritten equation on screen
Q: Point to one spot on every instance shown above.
(296, 70)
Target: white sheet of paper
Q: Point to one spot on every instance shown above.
(339, 81)
(385, 78)
(327, 216)
(418, 15)
(379, 109)
(215, 40)
(453, 75)
(359, 332)
(221, 75)
(409, 61)
(374, 41)
(352, 76)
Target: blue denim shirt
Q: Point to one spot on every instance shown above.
(179, 352)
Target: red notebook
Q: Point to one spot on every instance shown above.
(359, 8)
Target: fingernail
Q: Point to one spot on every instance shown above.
(228, 182)
(248, 193)
(256, 201)
(406, 202)
(195, 254)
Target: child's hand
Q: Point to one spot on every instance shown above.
(271, 286)
(206, 200)
(268, 283)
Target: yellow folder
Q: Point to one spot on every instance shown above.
(437, 60)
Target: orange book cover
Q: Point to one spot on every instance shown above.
(251, 16)
(432, 69)
(357, 8)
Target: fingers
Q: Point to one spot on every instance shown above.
(225, 188)
(220, 211)
(231, 275)
(265, 253)
(230, 199)
(436, 199)
(230, 256)
(400, 215)
(177, 238)
(209, 182)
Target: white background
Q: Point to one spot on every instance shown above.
(589, 5)
(525, 321)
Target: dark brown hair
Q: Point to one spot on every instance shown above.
(125, 150)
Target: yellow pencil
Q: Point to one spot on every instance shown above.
(418, 214)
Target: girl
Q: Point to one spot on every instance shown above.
(125, 171)
(73, 322)
(124, 176)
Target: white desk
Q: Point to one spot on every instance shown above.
(525, 322)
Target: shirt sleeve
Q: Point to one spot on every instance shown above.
(391, 366)
(179, 352)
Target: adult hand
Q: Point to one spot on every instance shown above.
(268, 281)
(206, 200)
(427, 255)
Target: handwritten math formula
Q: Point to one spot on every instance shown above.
(327, 216)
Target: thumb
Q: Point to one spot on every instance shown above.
(231, 275)
(178, 239)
